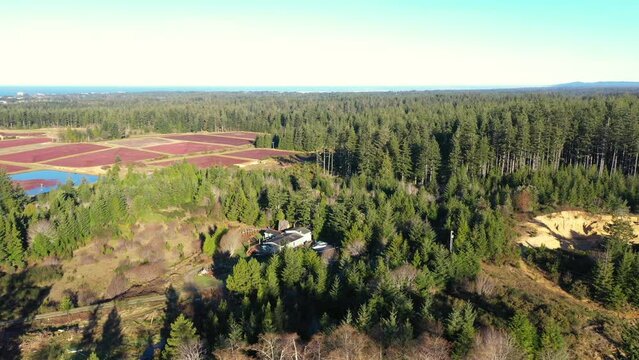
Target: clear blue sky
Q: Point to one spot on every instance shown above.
(315, 43)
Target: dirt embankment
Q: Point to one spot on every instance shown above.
(569, 230)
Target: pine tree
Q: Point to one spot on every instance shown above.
(272, 281)
(13, 245)
(552, 340)
(182, 332)
(279, 315)
(461, 329)
(268, 323)
(397, 252)
(524, 334)
(246, 277)
(630, 341)
(606, 290)
(293, 268)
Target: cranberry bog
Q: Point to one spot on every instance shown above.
(36, 183)
(260, 154)
(49, 153)
(105, 157)
(21, 142)
(182, 148)
(201, 149)
(41, 181)
(12, 168)
(211, 139)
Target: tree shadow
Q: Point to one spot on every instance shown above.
(110, 345)
(88, 334)
(20, 299)
(202, 236)
(223, 264)
(171, 312)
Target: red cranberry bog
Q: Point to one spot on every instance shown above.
(211, 139)
(36, 183)
(260, 154)
(232, 148)
(21, 142)
(105, 157)
(182, 148)
(50, 153)
(8, 168)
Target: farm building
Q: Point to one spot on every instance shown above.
(292, 238)
(275, 240)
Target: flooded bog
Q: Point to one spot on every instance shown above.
(42, 181)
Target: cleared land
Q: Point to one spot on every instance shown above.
(50, 153)
(205, 161)
(569, 230)
(140, 142)
(242, 135)
(106, 157)
(182, 148)
(259, 154)
(12, 168)
(26, 134)
(211, 139)
(21, 142)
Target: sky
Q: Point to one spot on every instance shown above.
(317, 43)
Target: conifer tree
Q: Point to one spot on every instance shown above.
(182, 332)
(524, 334)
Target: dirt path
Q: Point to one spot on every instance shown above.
(135, 301)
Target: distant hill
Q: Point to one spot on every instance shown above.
(598, 84)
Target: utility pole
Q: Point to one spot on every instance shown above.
(450, 244)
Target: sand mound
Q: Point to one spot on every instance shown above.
(569, 230)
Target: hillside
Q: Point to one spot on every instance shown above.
(387, 180)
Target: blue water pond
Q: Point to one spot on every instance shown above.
(61, 176)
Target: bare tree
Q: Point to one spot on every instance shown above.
(278, 347)
(191, 350)
(347, 343)
(492, 344)
(426, 347)
(483, 285)
(40, 227)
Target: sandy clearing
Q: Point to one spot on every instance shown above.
(211, 139)
(205, 161)
(569, 230)
(259, 154)
(140, 142)
(240, 134)
(182, 148)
